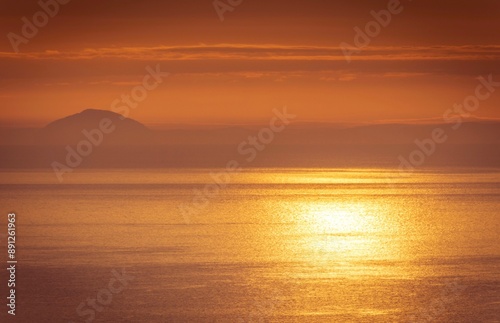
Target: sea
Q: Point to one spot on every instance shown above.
(256, 245)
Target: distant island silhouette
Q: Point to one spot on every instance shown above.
(131, 144)
(68, 130)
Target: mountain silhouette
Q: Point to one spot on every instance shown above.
(71, 130)
(133, 145)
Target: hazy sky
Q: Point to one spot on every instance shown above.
(264, 55)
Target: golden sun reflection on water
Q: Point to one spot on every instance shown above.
(347, 234)
(339, 218)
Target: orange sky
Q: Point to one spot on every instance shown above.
(266, 54)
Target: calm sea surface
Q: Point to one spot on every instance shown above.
(274, 245)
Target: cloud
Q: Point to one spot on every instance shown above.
(265, 52)
(252, 61)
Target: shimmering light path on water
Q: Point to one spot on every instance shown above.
(278, 245)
